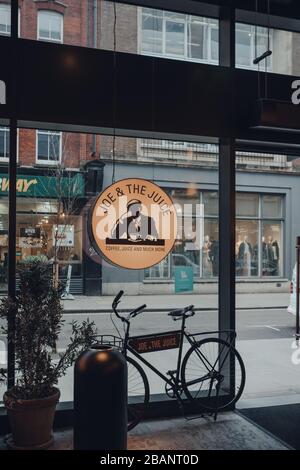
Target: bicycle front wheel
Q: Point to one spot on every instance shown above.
(208, 374)
(138, 393)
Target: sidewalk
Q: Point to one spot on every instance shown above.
(168, 302)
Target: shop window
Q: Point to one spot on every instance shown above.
(49, 147)
(258, 239)
(5, 19)
(259, 228)
(271, 248)
(179, 36)
(197, 243)
(4, 143)
(247, 251)
(43, 234)
(50, 26)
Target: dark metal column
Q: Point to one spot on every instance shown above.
(12, 202)
(227, 197)
(227, 234)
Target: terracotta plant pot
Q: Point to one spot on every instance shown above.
(31, 421)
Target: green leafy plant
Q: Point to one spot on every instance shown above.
(38, 323)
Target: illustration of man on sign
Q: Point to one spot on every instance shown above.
(134, 226)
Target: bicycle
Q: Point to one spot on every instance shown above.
(211, 371)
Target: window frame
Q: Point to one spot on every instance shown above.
(253, 29)
(210, 23)
(260, 219)
(6, 131)
(48, 162)
(50, 13)
(7, 7)
(6, 159)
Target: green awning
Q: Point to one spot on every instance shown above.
(45, 186)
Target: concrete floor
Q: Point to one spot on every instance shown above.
(230, 432)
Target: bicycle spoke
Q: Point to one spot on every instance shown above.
(208, 373)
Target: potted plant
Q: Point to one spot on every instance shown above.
(38, 314)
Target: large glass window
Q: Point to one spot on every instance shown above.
(259, 240)
(179, 36)
(53, 207)
(50, 26)
(247, 233)
(5, 19)
(252, 41)
(4, 143)
(197, 244)
(150, 31)
(49, 147)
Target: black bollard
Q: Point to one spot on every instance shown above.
(100, 400)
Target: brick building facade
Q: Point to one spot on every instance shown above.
(174, 165)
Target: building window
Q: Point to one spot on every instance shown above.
(179, 36)
(251, 41)
(50, 26)
(259, 236)
(4, 19)
(4, 143)
(49, 147)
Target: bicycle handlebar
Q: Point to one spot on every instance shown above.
(118, 297)
(138, 310)
(132, 314)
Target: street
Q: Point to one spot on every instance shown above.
(264, 338)
(250, 324)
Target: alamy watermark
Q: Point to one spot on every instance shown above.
(296, 93)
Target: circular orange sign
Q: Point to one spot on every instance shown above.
(133, 224)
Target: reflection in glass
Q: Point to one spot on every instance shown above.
(210, 250)
(211, 203)
(251, 42)
(197, 243)
(4, 143)
(50, 26)
(49, 146)
(5, 28)
(152, 31)
(177, 35)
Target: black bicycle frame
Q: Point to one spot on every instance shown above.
(174, 381)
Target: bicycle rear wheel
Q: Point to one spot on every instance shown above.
(207, 374)
(138, 393)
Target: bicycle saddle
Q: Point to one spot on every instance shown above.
(179, 312)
